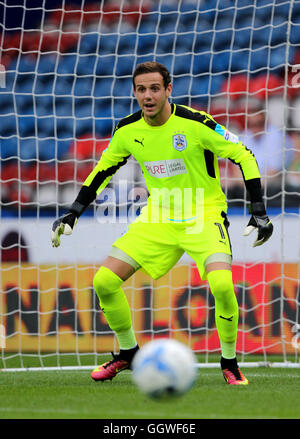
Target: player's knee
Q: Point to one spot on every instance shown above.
(106, 282)
(221, 285)
(222, 288)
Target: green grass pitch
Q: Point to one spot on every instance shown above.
(273, 393)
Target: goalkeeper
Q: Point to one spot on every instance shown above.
(177, 148)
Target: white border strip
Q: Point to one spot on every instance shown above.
(287, 364)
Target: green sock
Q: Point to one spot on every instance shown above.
(228, 349)
(113, 302)
(226, 310)
(126, 339)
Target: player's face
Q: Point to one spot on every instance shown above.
(152, 96)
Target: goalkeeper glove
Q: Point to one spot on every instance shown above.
(64, 225)
(260, 221)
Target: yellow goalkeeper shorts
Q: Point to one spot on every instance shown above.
(157, 247)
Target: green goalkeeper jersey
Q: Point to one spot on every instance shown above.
(178, 160)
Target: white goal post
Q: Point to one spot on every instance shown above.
(65, 81)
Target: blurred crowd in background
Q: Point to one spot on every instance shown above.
(68, 82)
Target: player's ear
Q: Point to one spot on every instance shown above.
(133, 87)
(169, 89)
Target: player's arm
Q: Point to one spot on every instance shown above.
(226, 145)
(111, 160)
(259, 219)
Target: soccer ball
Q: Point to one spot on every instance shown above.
(164, 367)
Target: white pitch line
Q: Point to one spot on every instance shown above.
(20, 409)
(201, 366)
(78, 413)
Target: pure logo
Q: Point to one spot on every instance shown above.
(166, 168)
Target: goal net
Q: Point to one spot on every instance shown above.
(65, 81)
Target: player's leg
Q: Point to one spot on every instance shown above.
(107, 284)
(219, 276)
(150, 246)
(211, 250)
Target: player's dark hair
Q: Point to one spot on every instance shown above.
(152, 67)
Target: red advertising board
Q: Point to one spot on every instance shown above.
(54, 308)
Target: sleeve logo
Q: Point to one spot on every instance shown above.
(226, 134)
(231, 137)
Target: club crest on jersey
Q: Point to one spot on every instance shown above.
(179, 142)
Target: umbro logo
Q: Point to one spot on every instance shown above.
(140, 141)
(229, 319)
